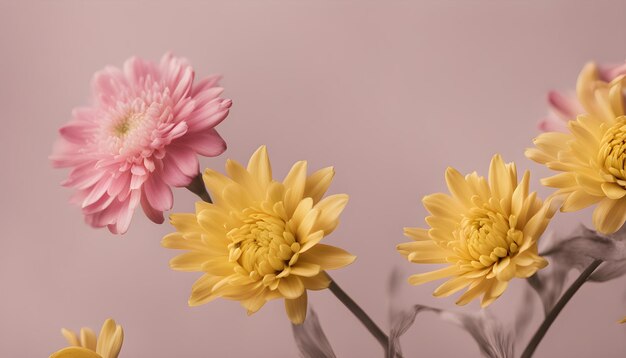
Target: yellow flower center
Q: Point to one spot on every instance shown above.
(613, 150)
(263, 246)
(125, 124)
(489, 236)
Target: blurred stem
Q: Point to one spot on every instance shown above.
(551, 316)
(197, 187)
(378, 333)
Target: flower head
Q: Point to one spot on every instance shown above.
(591, 156)
(565, 107)
(107, 345)
(486, 233)
(259, 240)
(142, 134)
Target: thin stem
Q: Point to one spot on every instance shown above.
(551, 316)
(197, 187)
(378, 333)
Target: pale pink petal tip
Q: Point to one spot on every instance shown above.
(143, 134)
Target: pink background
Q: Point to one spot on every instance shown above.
(390, 93)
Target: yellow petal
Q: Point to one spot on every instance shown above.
(215, 183)
(294, 183)
(307, 224)
(291, 287)
(425, 252)
(202, 290)
(458, 187)
(190, 261)
(110, 339)
(500, 179)
(70, 337)
(417, 234)
(318, 182)
(318, 282)
(609, 215)
(75, 352)
(305, 269)
(296, 308)
(328, 257)
(421, 278)
(88, 338)
(185, 222)
(613, 190)
(495, 291)
(330, 208)
(473, 292)
(578, 200)
(443, 205)
(451, 286)
(311, 240)
(260, 168)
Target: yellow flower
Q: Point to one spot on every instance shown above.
(486, 232)
(259, 240)
(107, 345)
(623, 320)
(592, 155)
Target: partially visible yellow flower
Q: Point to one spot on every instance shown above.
(107, 345)
(592, 156)
(259, 240)
(623, 320)
(486, 233)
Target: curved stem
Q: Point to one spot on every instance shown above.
(378, 333)
(197, 187)
(551, 316)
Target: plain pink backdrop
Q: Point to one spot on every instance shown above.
(389, 92)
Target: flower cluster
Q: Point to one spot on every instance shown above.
(255, 239)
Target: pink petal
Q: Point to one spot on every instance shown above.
(83, 176)
(98, 190)
(207, 143)
(158, 194)
(182, 157)
(184, 85)
(120, 184)
(155, 215)
(205, 83)
(101, 204)
(566, 107)
(126, 212)
(107, 84)
(172, 175)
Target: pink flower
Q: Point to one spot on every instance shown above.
(141, 135)
(564, 108)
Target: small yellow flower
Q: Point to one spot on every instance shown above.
(259, 240)
(623, 320)
(485, 231)
(107, 345)
(592, 156)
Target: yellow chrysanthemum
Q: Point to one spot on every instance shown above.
(259, 240)
(592, 156)
(485, 231)
(107, 345)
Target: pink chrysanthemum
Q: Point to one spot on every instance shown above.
(564, 108)
(141, 135)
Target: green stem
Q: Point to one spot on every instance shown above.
(358, 312)
(197, 187)
(551, 316)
